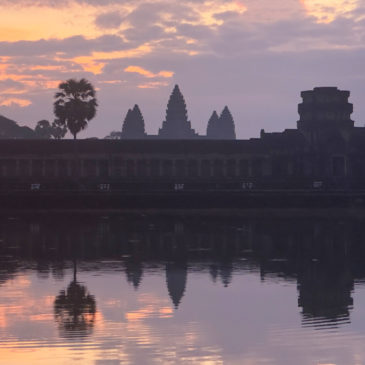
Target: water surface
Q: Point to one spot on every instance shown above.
(183, 288)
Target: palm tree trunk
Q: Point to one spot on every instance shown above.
(75, 271)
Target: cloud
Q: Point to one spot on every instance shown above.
(152, 85)
(241, 53)
(110, 20)
(14, 102)
(9, 86)
(63, 48)
(141, 71)
(326, 11)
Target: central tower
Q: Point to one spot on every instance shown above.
(176, 124)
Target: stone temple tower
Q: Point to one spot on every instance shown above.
(325, 108)
(325, 117)
(133, 125)
(176, 124)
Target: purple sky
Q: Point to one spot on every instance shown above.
(254, 56)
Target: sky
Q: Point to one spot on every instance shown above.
(255, 56)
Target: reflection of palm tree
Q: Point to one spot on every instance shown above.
(75, 309)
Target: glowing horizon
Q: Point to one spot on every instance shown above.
(147, 45)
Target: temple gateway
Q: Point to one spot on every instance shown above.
(325, 152)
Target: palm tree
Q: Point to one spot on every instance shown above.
(75, 105)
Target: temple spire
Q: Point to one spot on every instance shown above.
(133, 125)
(226, 123)
(176, 124)
(221, 127)
(212, 128)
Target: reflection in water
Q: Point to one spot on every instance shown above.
(75, 309)
(176, 275)
(134, 272)
(319, 256)
(325, 294)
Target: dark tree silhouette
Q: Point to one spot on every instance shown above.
(43, 129)
(75, 105)
(58, 131)
(75, 309)
(113, 135)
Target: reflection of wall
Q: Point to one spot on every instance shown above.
(322, 254)
(325, 292)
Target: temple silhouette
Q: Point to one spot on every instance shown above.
(321, 162)
(176, 124)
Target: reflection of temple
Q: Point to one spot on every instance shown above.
(134, 272)
(325, 292)
(176, 276)
(223, 270)
(322, 254)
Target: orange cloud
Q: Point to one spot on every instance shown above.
(152, 85)
(90, 66)
(209, 9)
(15, 101)
(95, 62)
(148, 74)
(327, 11)
(47, 68)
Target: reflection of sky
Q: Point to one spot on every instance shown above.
(249, 322)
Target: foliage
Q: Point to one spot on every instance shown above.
(113, 135)
(58, 131)
(75, 105)
(45, 130)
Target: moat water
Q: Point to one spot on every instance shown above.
(255, 287)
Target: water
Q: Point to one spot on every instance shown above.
(247, 288)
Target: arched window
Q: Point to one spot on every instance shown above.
(155, 168)
(180, 168)
(243, 168)
(193, 168)
(130, 168)
(218, 168)
(167, 168)
(231, 168)
(206, 168)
